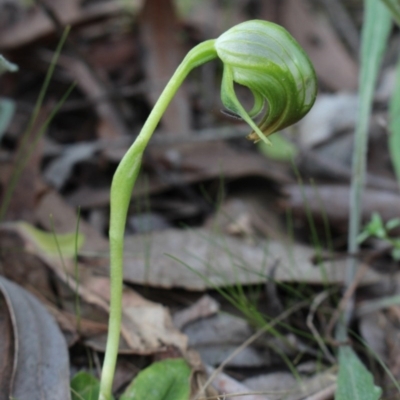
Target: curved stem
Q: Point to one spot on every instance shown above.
(121, 190)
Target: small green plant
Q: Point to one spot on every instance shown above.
(259, 55)
(376, 228)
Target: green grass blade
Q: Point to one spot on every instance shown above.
(27, 153)
(375, 32)
(394, 7)
(25, 146)
(394, 118)
(47, 79)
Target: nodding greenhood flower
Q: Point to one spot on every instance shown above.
(257, 54)
(266, 59)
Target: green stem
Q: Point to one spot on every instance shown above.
(121, 190)
(375, 31)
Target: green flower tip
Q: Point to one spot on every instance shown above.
(265, 58)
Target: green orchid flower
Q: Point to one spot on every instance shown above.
(259, 55)
(266, 59)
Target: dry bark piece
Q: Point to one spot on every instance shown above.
(41, 364)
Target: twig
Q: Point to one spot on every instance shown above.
(315, 304)
(324, 394)
(344, 302)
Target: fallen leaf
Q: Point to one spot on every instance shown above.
(198, 259)
(333, 201)
(20, 266)
(25, 173)
(54, 214)
(197, 162)
(41, 362)
(159, 25)
(33, 23)
(147, 327)
(202, 308)
(7, 350)
(293, 388)
(226, 385)
(330, 115)
(215, 338)
(96, 87)
(333, 65)
(58, 171)
(52, 244)
(373, 328)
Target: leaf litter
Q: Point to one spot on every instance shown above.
(237, 244)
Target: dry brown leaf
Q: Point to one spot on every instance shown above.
(33, 23)
(291, 388)
(198, 259)
(225, 385)
(146, 326)
(196, 162)
(333, 201)
(333, 64)
(202, 308)
(373, 328)
(249, 211)
(53, 213)
(7, 350)
(159, 27)
(28, 185)
(217, 337)
(41, 363)
(96, 87)
(20, 267)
